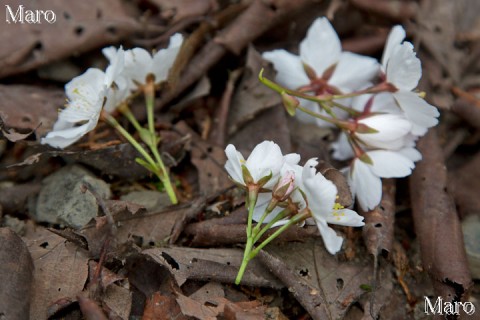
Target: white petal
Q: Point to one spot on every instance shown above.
(365, 185)
(390, 164)
(342, 150)
(138, 64)
(234, 163)
(290, 72)
(116, 67)
(353, 71)
(411, 153)
(418, 111)
(309, 169)
(321, 194)
(292, 158)
(86, 86)
(392, 128)
(312, 106)
(266, 158)
(385, 103)
(64, 138)
(395, 38)
(332, 241)
(321, 47)
(164, 59)
(403, 68)
(346, 217)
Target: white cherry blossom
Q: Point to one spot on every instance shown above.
(403, 70)
(86, 93)
(265, 159)
(364, 176)
(139, 63)
(320, 195)
(335, 71)
(391, 129)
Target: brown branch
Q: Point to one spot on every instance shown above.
(437, 224)
(259, 17)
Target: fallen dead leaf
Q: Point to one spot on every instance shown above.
(162, 307)
(325, 286)
(61, 270)
(80, 26)
(210, 264)
(251, 97)
(30, 107)
(16, 276)
(209, 161)
(182, 9)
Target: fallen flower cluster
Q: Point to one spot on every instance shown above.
(283, 193)
(95, 90)
(374, 104)
(95, 94)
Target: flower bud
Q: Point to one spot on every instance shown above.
(290, 102)
(284, 187)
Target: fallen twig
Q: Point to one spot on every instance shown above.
(437, 224)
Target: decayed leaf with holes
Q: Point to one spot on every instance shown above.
(30, 107)
(80, 26)
(61, 270)
(210, 265)
(336, 284)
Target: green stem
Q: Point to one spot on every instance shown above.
(149, 92)
(125, 110)
(245, 261)
(262, 218)
(297, 218)
(278, 88)
(114, 123)
(252, 201)
(278, 217)
(166, 177)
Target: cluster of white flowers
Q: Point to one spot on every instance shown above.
(381, 113)
(304, 190)
(95, 90)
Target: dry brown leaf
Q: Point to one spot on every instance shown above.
(210, 265)
(162, 307)
(379, 222)
(28, 107)
(142, 228)
(251, 97)
(16, 276)
(209, 161)
(118, 301)
(90, 309)
(181, 9)
(61, 270)
(325, 286)
(80, 26)
(118, 160)
(268, 125)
